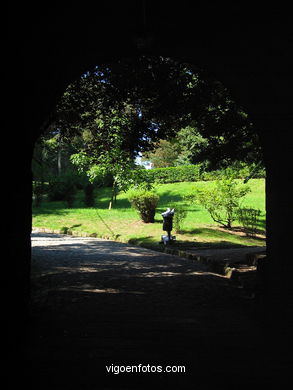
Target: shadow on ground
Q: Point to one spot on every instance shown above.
(99, 303)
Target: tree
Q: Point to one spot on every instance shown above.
(223, 201)
(123, 109)
(51, 156)
(183, 149)
(191, 144)
(164, 155)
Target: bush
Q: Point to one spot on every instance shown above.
(145, 202)
(179, 216)
(62, 188)
(193, 173)
(184, 173)
(222, 201)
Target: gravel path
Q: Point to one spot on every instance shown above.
(98, 303)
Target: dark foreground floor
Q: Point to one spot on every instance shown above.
(99, 304)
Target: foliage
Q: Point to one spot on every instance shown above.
(164, 155)
(193, 173)
(89, 198)
(179, 150)
(248, 217)
(238, 170)
(179, 217)
(145, 202)
(191, 144)
(222, 201)
(38, 192)
(52, 155)
(116, 111)
(62, 188)
(124, 174)
(121, 109)
(182, 173)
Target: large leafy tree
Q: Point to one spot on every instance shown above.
(149, 96)
(184, 149)
(122, 109)
(164, 155)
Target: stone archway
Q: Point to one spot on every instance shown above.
(249, 54)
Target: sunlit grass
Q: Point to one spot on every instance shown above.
(123, 223)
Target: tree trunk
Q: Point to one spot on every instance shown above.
(113, 196)
(59, 162)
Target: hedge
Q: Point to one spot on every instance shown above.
(193, 173)
(176, 174)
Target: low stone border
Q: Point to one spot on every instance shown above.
(216, 266)
(70, 233)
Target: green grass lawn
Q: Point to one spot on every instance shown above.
(123, 222)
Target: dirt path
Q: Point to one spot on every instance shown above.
(98, 303)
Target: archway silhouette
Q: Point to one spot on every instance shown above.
(251, 58)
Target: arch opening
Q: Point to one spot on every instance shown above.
(118, 112)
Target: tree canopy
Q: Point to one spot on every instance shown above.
(122, 109)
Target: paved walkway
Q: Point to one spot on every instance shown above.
(98, 303)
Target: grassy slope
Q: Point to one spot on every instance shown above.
(123, 221)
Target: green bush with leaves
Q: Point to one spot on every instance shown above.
(62, 188)
(175, 174)
(222, 201)
(199, 172)
(179, 217)
(145, 202)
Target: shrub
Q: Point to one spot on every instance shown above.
(222, 201)
(145, 202)
(55, 190)
(193, 173)
(64, 230)
(183, 173)
(179, 216)
(62, 188)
